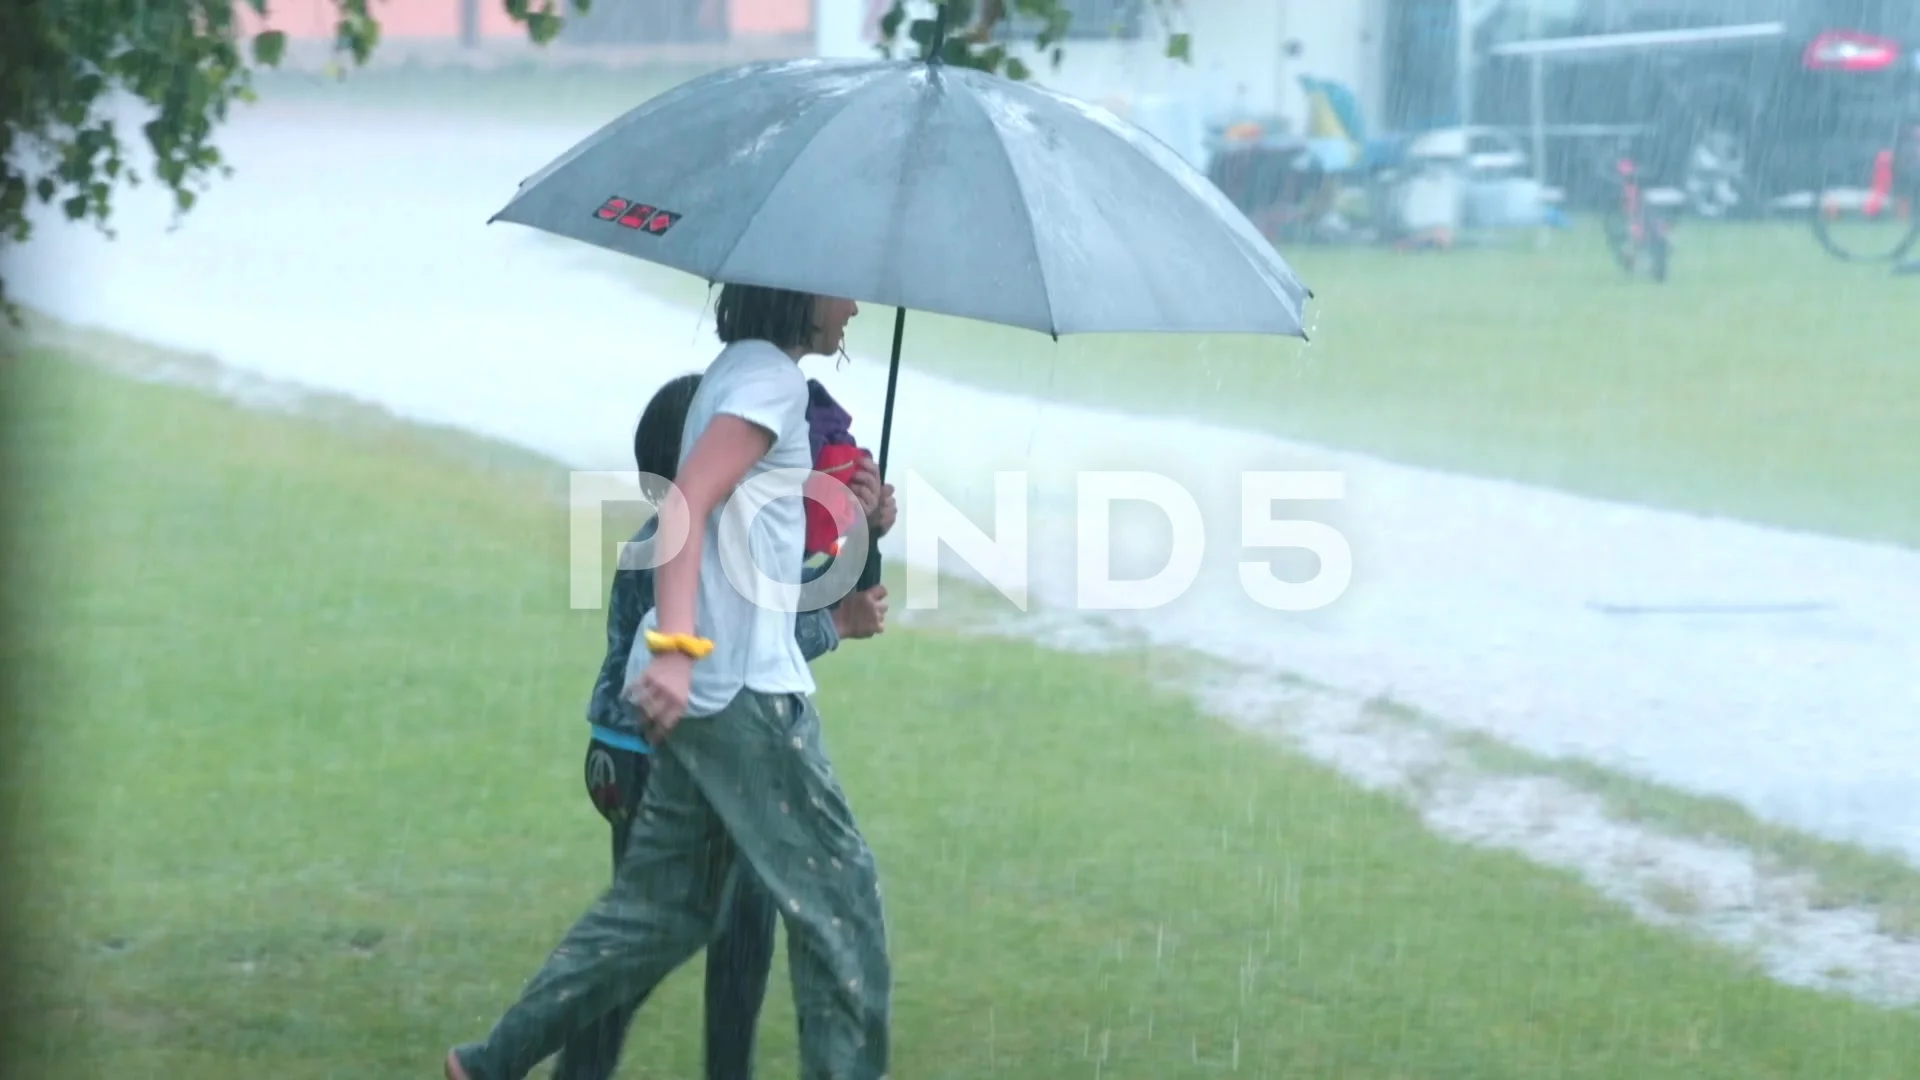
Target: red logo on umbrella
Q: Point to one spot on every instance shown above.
(631, 215)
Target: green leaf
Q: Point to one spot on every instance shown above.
(1017, 69)
(1180, 47)
(45, 187)
(268, 47)
(356, 32)
(543, 26)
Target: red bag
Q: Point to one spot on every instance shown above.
(832, 508)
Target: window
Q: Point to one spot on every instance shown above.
(1518, 20)
(1630, 15)
(1895, 18)
(1525, 20)
(1093, 20)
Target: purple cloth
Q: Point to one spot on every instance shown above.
(827, 422)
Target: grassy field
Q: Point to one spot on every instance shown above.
(1765, 382)
(309, 806)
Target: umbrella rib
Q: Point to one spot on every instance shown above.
(1026, 208)
(845, 101)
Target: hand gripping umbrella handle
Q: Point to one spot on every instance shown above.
(870, 575)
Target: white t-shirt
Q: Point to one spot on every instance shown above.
(753, 642)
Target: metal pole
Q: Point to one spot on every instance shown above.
(1463, 62)
(470, 23)
(1538, 93)
(1537, 108)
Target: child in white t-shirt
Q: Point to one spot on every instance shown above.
(741, 782)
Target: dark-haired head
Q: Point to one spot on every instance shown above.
(798, 323)
(656, 439)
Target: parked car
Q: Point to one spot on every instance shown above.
(1736, 125)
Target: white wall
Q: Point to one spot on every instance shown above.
(1343, 40)
(1238, 64)
(1234, 55)
(840, 27)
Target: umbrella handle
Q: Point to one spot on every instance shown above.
(870, 574)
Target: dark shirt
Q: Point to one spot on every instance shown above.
(615, 720)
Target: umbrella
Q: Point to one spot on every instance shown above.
(918, 185)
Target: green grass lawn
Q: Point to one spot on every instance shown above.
(1764, 382)
(308, 805)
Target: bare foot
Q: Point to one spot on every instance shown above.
(454, 1069)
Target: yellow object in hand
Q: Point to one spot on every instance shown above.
(696, 647)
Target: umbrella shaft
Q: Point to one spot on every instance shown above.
(870, 574)
(893, 382)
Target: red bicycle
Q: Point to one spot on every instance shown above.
(1638, 233)
(1880, 222)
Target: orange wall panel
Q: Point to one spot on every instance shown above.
(298, 19)
(496, 23)
(313, 20)
(770, 16)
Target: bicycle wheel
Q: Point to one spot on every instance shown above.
(1647, 253)
(1853, 230)
(1875, 221)
(1619, 236)
(1659, 250)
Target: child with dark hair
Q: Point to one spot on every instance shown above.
(740, 959)
(740, 786)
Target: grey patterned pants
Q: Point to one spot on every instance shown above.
(751, 782)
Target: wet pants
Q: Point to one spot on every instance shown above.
(749, 786)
